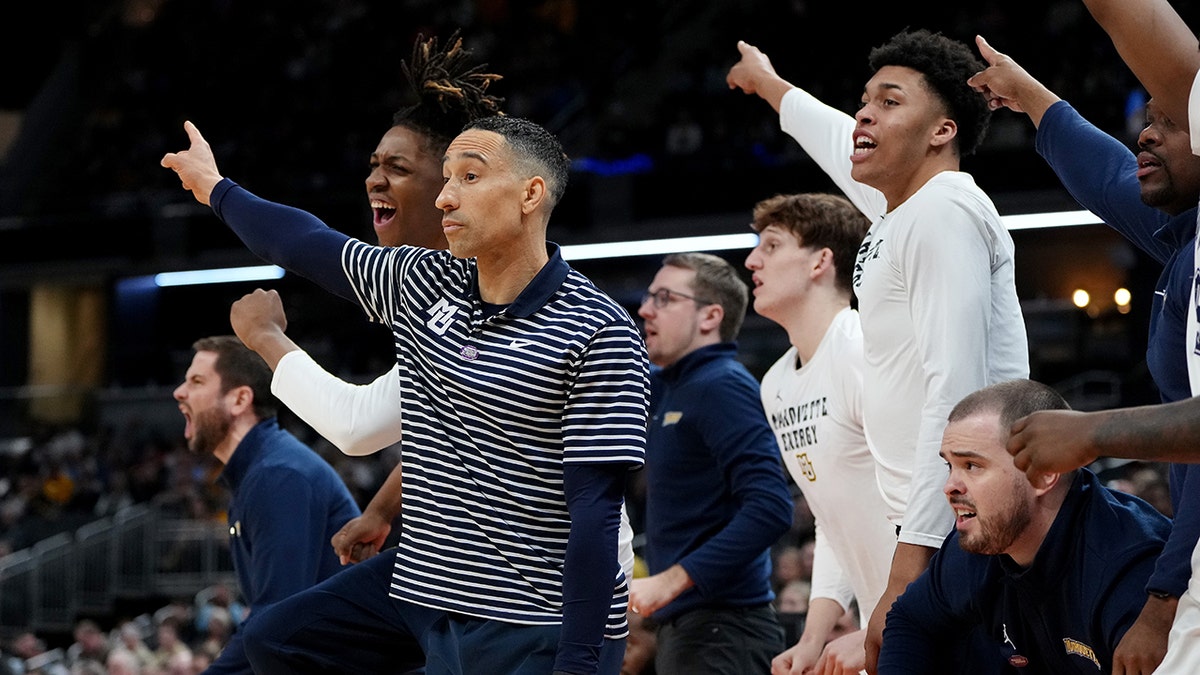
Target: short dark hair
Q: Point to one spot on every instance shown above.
(818, 220)
(717, 282)
(946, 65)
(1012, 400)
(238, 366)
(536, 151)
(449, 91)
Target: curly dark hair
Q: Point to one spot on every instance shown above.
(450, 91)
(946, 65)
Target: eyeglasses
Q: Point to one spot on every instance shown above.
(662, 298)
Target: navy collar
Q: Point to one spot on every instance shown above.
(248, 452)
(540, 289)
(1179, 229)
(697, 358)
(1056, 555)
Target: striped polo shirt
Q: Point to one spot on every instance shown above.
(494, 406)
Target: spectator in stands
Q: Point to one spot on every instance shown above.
(121, 661)
(129, 638)
(90, 647)
(218, 599)
(169, 644)
(794, 597)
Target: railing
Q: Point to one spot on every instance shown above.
(137, 553)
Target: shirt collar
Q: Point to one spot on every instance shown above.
(1178, 230)
(1056, 555)
(247, 452)
(697, 358)
(540, 289)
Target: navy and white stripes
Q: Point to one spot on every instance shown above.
(493, 409)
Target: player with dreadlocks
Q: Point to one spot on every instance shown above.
(406, 167)
(405, 178)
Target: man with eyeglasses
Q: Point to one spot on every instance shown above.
(716, 497)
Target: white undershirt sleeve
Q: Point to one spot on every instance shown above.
(829, 579)
(358, 419)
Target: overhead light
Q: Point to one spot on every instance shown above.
(1081, 298)
(1037, 221)
(623, 249)
(218, 276)
(730, 242)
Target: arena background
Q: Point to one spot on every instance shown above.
(293, 97)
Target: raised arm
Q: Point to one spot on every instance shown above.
(358, 419)
(1004, 83)
(754, 74)
(289, 237)
(1156, 44)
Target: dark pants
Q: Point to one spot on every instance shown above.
(349, 624)
(725, 641)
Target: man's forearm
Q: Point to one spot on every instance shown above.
(908, 562)
(1156, 44)
(1168, 432)
(271, 345)
(387, 500)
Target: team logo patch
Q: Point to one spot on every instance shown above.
(806, 466)
(441, 315)
(1079, 649)
(671, 417)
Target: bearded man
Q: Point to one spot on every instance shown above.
(286, 502)
(1049, 573)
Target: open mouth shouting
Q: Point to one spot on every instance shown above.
(864, 145)
(963, 513)
(384, 212)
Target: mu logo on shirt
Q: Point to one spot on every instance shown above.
(440, 316)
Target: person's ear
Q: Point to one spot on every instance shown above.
(240, 399)
(1045, 482)
(536, 192)
(711, 318)
(944, 132)
(824, 263)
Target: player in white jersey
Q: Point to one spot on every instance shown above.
(812, 397)
(934, 276)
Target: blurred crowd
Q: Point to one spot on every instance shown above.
(59, 479)
(180, 638)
